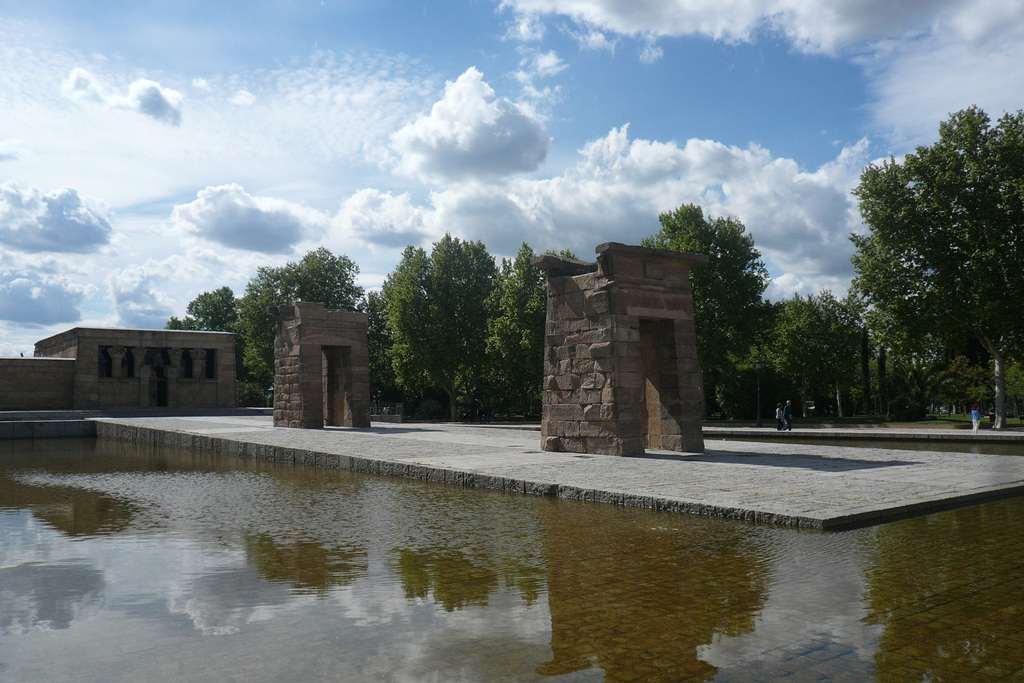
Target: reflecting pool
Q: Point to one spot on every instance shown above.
(120, 563)
(966, 446)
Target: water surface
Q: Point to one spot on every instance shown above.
(127, 564)
(944, 446)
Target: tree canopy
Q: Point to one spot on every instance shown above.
(437, 313)
(816, 341)
(945, 243)
(320, 276)
(515, 330)
(727, 291)
(215, 311)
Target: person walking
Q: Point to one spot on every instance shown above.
(975, 418)
(787, 417)
(778, 417)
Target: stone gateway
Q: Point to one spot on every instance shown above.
(620, 359)
(321, 367)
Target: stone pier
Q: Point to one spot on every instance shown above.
(620, 363)
(321, 367)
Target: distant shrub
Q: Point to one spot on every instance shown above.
(253, 395)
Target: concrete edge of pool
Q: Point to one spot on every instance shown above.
(795, 485)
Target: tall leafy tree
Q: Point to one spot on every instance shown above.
(727, 292)
(515, 331)
(817, 342)
(215, 311)
(383, 382)
(945, 243)
(437, 312)
(963, 383)
(320, 276)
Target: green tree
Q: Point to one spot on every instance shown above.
(215, 311)
(320, 276)
(437, 312)
(383, 382)
(727, 292)
(945, 242)
(963, 383)
(515, 330)
(915, 385)
(1015, 387)
(817, 342)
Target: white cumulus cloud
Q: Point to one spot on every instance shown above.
(32, 220)
(471, 133)
(800, 219)
(31, 298)
(923, 59)
(230, 216)
(811, 25)
(142, 295)
(379, 218)
(152, 99)
(144, 96)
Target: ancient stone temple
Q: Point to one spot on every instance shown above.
(620, 363)
(87, 368)
(321, 367)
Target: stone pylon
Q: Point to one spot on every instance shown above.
(321, 367)
(620, 363)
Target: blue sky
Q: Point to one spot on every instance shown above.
(150, 151)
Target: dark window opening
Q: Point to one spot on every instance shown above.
(128, 363)
(211, 363)
(161, 388)
(185, 368)
(106, 363)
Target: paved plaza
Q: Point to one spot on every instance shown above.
(811, 486)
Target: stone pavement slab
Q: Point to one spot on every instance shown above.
(813, 486)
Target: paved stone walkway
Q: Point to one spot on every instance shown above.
(822, 487)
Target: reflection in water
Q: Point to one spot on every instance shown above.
(46, 595)
(949, 591)
(895, 445)
(306, 565)
(147, 564)
(225, 600)
(73, 511)
(454, 580)
(638, 601)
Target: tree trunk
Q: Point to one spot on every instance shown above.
(865, 369)
(453, 406)
(883, 383)
(999, 380)
(839, 402)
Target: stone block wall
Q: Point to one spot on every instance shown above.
(123, 368)
(321, 367)
(36, 383)
(620, 365)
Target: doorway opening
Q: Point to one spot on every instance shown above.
(656, 338)
(336, 364)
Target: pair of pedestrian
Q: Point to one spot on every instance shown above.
(784, 417)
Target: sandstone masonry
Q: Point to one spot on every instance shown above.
(321, 367)
(620, 362)
(87, 368)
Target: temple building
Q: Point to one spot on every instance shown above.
(98, 369)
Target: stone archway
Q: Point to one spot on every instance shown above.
(620, 363)
(321, 367)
